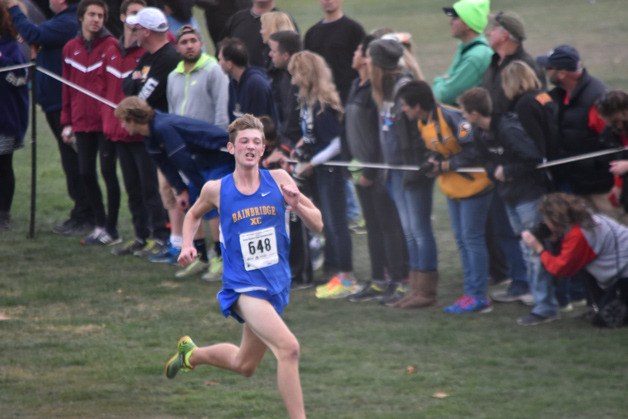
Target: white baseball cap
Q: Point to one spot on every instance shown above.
(150, 18)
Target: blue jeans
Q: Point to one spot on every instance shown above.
(468, 221)
(414, 205)
(507, 241)
(331, 185)
(524, 216)
(353, 208)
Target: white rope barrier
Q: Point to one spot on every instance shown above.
(364, 165)
(15, 67)
(77, 87)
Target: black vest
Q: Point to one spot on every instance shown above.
(585, 176)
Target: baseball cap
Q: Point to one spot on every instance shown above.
(511, 22)
(474, 13)
(185, 30)
(150, 18)
(563, 57)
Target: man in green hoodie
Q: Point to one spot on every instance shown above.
(473, 56)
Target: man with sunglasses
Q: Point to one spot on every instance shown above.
(473, 56)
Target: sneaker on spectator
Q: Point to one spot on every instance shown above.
(508, 296)
(334, 281)
(395, 292)
(129, 247)
(527, 299)
(214, 273)
(72, 227)
(338, 290)
(567, 308)
(499, 282)
(100, 237)
(468, 304)
(532, 319)
(579, 303)
(168, 254)
(194, 268)
(358, 227)
(152, 248)
(372, 290)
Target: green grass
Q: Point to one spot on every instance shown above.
(88, 333)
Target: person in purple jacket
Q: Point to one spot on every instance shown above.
(49, 37)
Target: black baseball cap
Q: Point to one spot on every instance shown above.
(563, 57)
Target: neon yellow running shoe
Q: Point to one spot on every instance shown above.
(180, 360)
(334, 281)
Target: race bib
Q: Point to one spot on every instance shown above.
(259, 249)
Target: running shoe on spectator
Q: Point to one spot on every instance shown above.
(532, 319)
(169, 255)
(372, 290)
(100, 237)
(214, 273)
(129, 248)
(194, 268)
(468, 304)
(152, 248)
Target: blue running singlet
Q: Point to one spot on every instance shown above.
(254, 238)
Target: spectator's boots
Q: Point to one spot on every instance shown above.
(423, 290)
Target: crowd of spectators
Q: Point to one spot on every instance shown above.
(335, 94)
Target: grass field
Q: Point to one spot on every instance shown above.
(85, 334)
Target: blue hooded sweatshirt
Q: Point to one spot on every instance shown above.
(50, 37)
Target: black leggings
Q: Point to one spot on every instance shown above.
(89, 145)
(7, 182)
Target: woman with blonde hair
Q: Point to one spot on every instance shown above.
(320, 115)
(274, 22)
(534, 107)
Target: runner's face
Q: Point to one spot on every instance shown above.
(248, 147)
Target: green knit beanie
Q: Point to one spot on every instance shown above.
(474, 13)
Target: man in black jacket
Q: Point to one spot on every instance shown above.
(505, 34)
(579, 124)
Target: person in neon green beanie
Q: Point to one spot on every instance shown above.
(473, 56)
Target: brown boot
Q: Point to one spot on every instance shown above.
(412, 292)
(423, 291)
